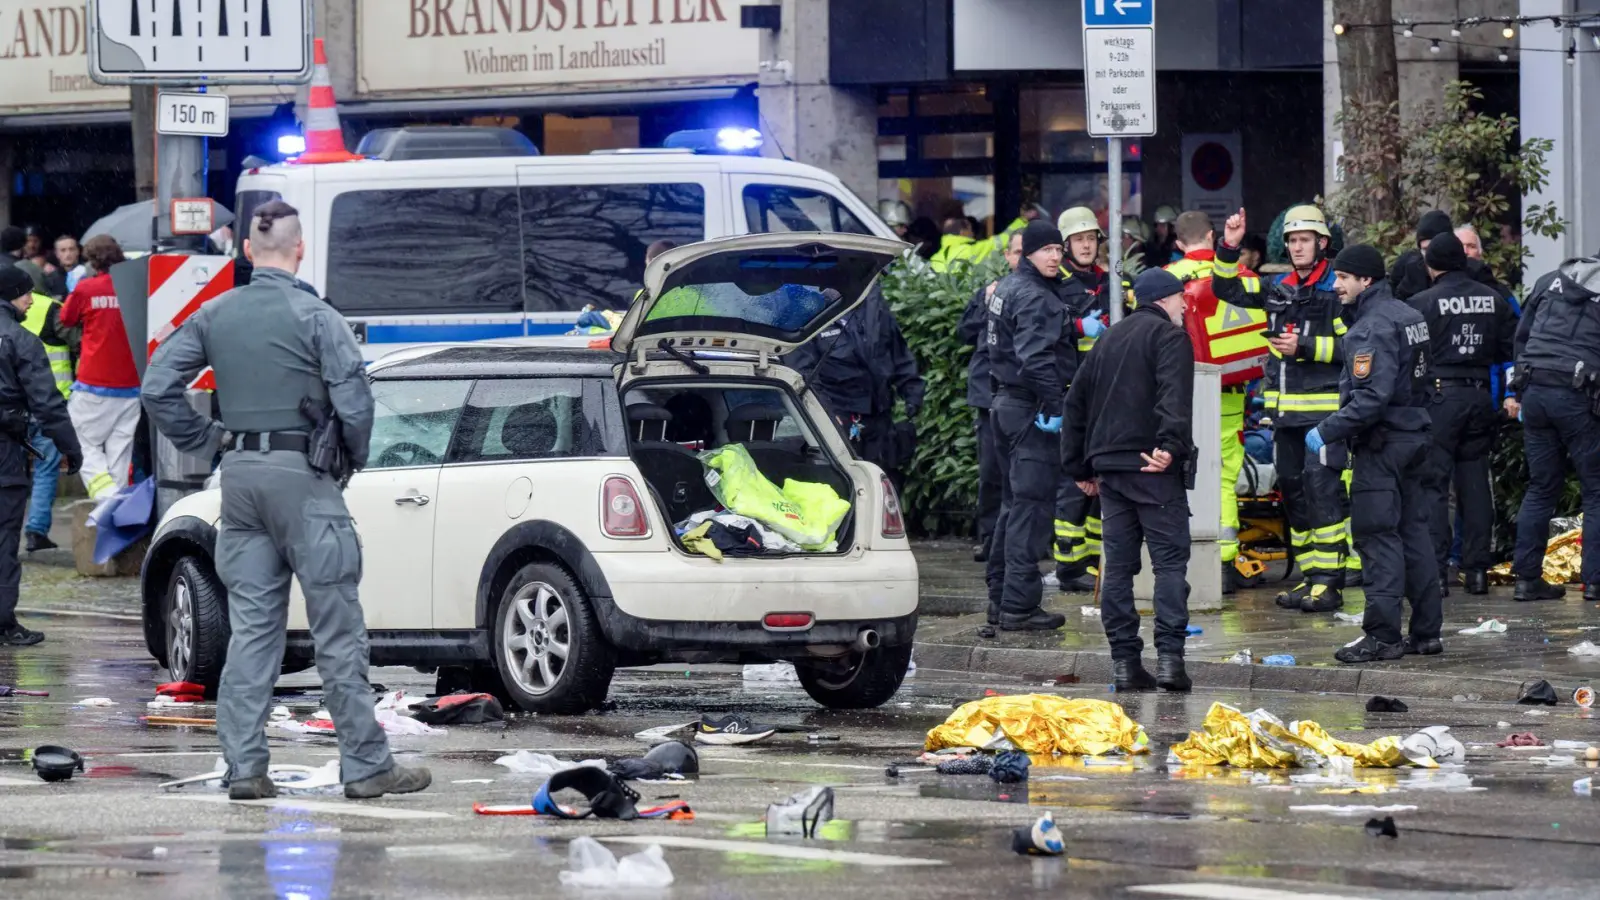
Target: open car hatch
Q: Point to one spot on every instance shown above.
(753, 293)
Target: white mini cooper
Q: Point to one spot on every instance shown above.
(517, 511)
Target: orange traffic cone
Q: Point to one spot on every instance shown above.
(324, 138)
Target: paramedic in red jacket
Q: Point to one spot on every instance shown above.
(105, 397)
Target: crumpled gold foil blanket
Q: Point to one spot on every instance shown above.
(1042, 724)
(1260, 740)
(1563, 556)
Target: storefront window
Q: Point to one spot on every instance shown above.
(958, 146)
(969, 102)
(564, 136)
(936, 153)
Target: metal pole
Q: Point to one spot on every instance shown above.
(1114, 190)
(181, 163)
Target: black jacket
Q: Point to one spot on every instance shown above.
(28, 388)
(857, 364)
(980, 391)
(1560, 325)
(1033, 353)
(1470, 324)
(1409, 276)
(1385, 354)
(1134, 393)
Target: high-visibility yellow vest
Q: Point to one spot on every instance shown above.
(59, 355)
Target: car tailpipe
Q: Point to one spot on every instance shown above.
(867, 640)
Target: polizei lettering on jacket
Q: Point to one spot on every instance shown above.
(1465, 306)
(1417, 335)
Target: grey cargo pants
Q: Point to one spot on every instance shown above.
(280, 519)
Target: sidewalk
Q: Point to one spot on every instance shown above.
(51, 585)
(1492, 666)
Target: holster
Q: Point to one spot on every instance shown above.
(325, 451)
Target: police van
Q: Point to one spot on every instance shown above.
(464, 233)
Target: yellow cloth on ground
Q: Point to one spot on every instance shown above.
(1042, 724)
(1260, 740)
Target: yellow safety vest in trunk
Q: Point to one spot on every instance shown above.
(58, 354)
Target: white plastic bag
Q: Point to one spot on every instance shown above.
(1487, 626)
(774, 673)
(591, 865)
(542, 765)
(1436, 743)
(1587, 648)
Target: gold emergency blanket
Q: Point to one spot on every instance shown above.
(1563, 557)
(1042, 724)
(1261, 741)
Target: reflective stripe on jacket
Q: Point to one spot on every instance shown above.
(59, 355)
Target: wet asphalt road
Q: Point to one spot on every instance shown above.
(113, 832)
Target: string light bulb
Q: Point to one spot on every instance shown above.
(1508, 32)
(1338, 29)
(1596, 38)
(1572, 53)
(1434, 46)
(1407, 31)
(1455, 31)
(1504, 56)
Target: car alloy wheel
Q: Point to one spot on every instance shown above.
(537, 638)
(180, 630)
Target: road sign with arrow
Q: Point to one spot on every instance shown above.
(1119, 72)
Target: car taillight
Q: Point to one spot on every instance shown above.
(894, 524)
(787, 620)
(621, 513)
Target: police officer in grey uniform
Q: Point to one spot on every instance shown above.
(271, 345)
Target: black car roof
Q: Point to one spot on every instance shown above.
(490, 361)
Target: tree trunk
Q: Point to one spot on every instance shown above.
(143, 111)
(1369, 79)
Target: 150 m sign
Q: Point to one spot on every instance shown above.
(196, 115)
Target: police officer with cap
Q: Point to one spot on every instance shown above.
(27, 390)
(1382, 417)
(272, 346)
(1033, 355)
(1558, 375)
(1129, 439)
(1472, 329)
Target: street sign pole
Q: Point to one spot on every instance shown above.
(1114, 191)
(1119, 87)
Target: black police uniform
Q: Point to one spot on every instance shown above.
(1032, 357)
(1471, 329)
(980, 395)
(1077, 524)
(27, 389)
(1558, 369)
(1133, 394)
(856, 366)
(1383, 418)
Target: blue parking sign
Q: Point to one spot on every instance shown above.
(1119, 13)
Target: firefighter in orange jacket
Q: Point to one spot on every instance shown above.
(1234, 338)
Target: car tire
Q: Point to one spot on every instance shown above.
(542, 613)
(195, 621)
(874, 679)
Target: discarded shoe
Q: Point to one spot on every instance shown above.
(1531, 589)
(398, 780)
(1292, 598)
(671, 758)
(1170, 674)
(1383, 827)
(1422, 646)
(1476, 581)
(36, 541)
(258, 788)
(1322, 599)
(1042, 839)
(608, 797)
(1131, 675)
(1387, 704)
(802, 813)
(1538, 693)
(55, 763)
(731, 730)
(1036, 620)
(1368, 650)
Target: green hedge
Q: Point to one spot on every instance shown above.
(941, 483)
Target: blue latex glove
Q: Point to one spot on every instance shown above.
(1052, 424)
(1092, 326)
(1314, 441)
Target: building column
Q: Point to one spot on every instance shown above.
(1332, 102)
(7, 163)
(1553, 107)
(805, 117)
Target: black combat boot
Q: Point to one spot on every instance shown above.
(1369, 649)
(1422, 646)
(1530, 589)
(1322, 599)
(1292, 599)
(1230, 584)
(1477, 582)
(1131, 675)
(1035, 619)
(1591, 593)
(1170, 674)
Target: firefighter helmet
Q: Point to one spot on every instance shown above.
(1166, 214)
(1305, 218)
(1077, 220)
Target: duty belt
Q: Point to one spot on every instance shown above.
(1549, 378)
(265, 441)
(1439, 383)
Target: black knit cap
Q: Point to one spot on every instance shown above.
(1445, 254)
(1432, 224)
(1360, 260)
(1039, 234)
(14, 283)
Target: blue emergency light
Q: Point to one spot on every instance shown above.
(291, 144)
(730, 140)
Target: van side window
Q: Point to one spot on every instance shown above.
(775, 208)
(530, 418)
(444, 250)
(584, 244)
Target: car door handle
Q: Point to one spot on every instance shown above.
(418, 499)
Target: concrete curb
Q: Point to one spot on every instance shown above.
(1095, 668)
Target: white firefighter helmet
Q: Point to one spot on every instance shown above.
(1077, 220)
(1305, 218)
